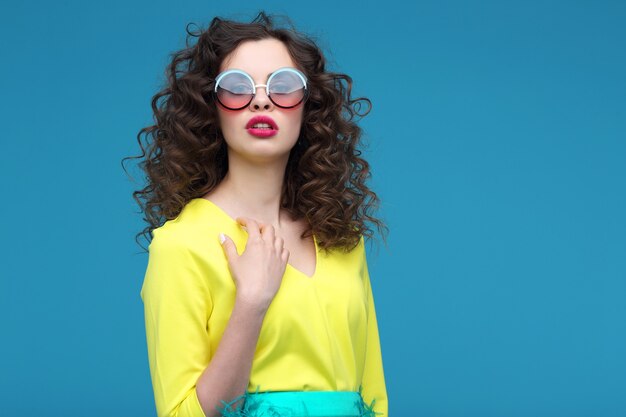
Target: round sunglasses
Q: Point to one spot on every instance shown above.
(286, 88)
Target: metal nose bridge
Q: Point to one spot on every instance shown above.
(261, 85)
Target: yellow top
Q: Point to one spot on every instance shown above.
(319, 333)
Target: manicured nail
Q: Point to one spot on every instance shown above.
(222, 238)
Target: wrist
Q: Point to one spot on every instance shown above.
(250, 306)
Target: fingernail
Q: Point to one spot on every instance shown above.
(222, 238)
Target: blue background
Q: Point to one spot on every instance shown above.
(497, 143)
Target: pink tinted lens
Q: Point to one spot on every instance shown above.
(286, 89)
(233, 100)
(234, 90)
(288, 99)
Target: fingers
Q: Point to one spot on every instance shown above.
(251, 225)
(267, 233)
(228, 246)
(258, 229)
(285, 255)
(278, 244)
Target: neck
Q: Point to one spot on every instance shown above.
(254, 189)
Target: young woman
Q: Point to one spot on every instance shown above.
(257, 294)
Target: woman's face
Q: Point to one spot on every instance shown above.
(259, 59)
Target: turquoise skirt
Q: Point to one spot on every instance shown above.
(299, 404)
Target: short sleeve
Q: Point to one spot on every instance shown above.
(373, 383)
(177, 304)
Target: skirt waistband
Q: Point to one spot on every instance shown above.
(300, 404)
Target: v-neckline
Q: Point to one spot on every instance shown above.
(289, 266)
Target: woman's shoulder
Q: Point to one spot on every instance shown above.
(194, 226)
(344, 259)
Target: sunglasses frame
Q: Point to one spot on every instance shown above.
(254, 86)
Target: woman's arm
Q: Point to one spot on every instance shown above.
(177, 305)
(228, 373)
(188, 379)
(257, 275)
(373, 382)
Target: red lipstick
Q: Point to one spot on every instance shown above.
(262, 126)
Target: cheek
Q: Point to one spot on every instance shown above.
(293, 127)
(296, 119)
(301, 121)
(225, 120)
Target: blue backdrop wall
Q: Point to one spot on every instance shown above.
(497, 142)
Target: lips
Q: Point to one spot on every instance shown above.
(262, 126)
(262, 120)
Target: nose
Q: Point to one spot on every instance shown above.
(260, 99)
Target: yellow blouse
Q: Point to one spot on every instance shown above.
(320, 333)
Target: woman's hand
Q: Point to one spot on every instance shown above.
(258, 271)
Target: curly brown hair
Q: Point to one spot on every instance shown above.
(185, 155)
